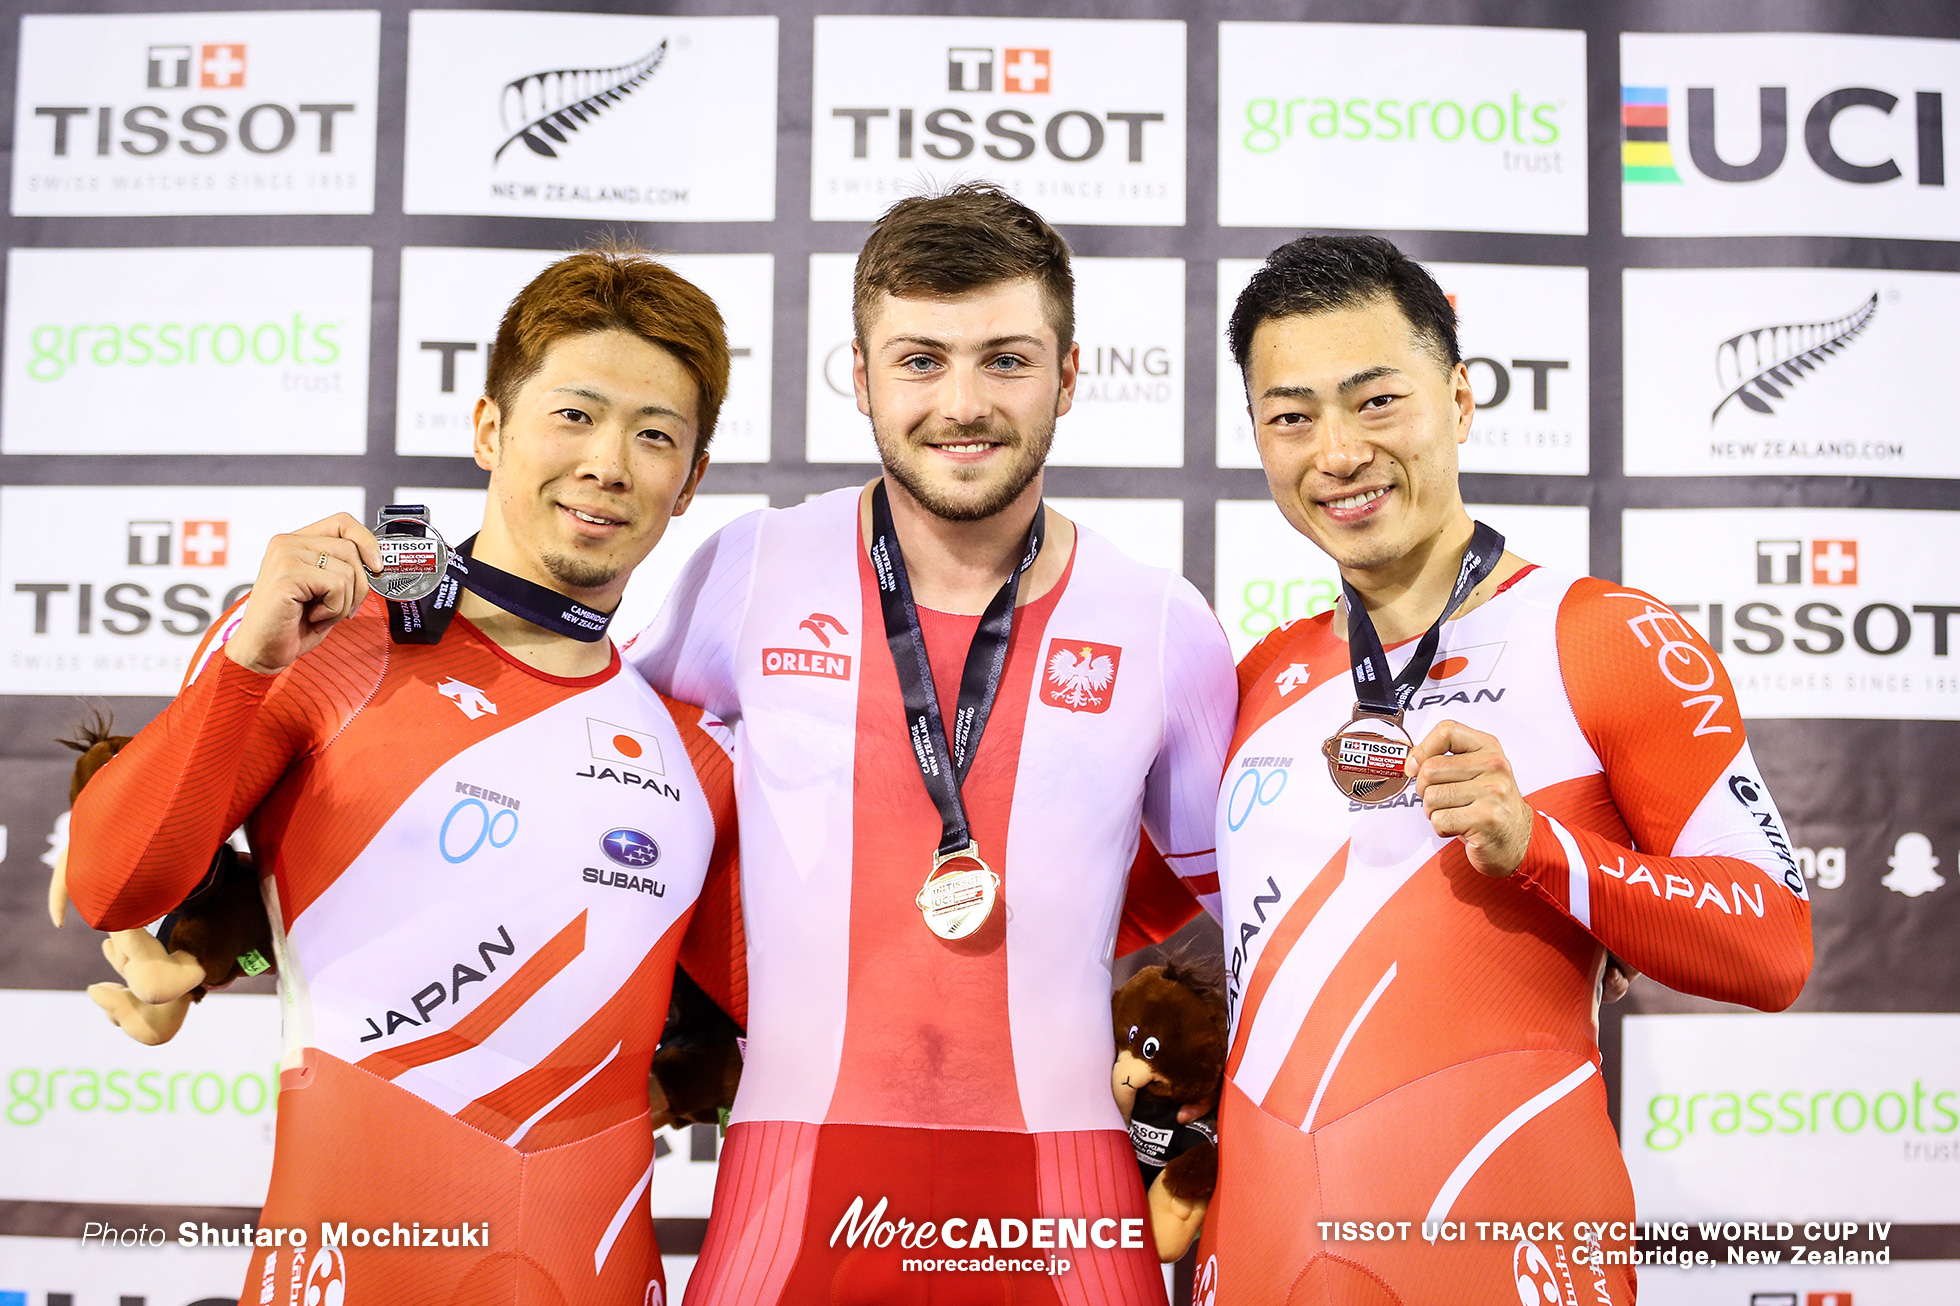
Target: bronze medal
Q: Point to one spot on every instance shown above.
(1365, 757)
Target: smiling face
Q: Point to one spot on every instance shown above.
(592, 461)
(963, 393)
(1358, 422)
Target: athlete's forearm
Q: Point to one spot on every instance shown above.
(144, 830)
(1712, 926)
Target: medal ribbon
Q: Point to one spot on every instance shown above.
(424, 620)
(943, 768)
(1375, 690)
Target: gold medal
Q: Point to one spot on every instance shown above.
(1365, 757)
(955, 903)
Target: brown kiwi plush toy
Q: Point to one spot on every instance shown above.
(219, 933)
(1170, 1065)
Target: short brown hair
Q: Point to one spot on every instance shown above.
(974, 235)
(613, 286)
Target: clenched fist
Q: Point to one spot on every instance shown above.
(310, 581)
(1469, 793)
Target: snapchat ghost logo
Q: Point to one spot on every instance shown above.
(1912, 864)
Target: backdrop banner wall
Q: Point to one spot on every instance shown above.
(1706, 265)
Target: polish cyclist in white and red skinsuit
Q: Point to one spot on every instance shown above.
(963, 1079)
(481, 856)
(1415, 984)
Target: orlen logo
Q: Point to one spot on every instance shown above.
(1647, 148)
(821, 663)
(1069, 134)
(1820, 626)
(204, 128)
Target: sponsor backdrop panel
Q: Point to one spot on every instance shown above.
(213, 351)
(1082, 118)
(1522, 332)
(565, 115)
(1305, 110)
(1774, 371)
(196, 113)
(453, 299)
(230, 237)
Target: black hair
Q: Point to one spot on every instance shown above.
(1318, 274)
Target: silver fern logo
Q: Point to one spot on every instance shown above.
(1758, 367)
(542, 109)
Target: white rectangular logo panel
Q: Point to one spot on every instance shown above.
(451, 303)
(1129, 393)
(1816, 612)
(109, 589)
(82, 1099)
(556, 115)
(458, 514)
(204, 113)
(1267, 574)
(176, 351)
(1773, 372)
(1760, 134)
(1149, 530)
(1522, 330)
(1082, 119)
(1399, 126)
(1797, 1116)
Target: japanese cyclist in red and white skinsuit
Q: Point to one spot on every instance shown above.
(481, 854)
(1414, 982)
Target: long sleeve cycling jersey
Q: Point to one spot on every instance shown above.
(964, 1080)
(479, 877)
(1390, 1001)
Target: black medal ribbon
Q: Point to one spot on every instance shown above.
(1375, 690)
(424, 620)
(942, 766)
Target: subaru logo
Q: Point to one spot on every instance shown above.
(630, 848)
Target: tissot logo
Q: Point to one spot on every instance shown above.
(1770, 371)
(590, 116)
(450, 295)
(1762, 133)
(1524, 335)
(155, 113)
(1816, 613)
(119, 608)
(1044, 105)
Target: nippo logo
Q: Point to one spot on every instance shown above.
(1080, 675)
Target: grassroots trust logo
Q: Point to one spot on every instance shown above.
(55, 349)
(1757, 367)
(1676, 1119)
(1273, 121)
(541, 109)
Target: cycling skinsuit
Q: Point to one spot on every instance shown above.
(479, 877)
(1415, 1041)
(960, 1080)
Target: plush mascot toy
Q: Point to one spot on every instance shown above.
(1170, 1065)
(219, 933)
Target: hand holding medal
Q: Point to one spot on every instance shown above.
(308, 583)
(1469, 793)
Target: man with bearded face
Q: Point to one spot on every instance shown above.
(952, 709)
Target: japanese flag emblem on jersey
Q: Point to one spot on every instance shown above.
(616, 743)
(1079, 674)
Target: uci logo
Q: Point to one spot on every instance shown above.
(1255, 787)
(469, 826)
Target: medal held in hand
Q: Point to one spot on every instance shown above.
(413, 555)
(960, 888)
(1365, 757)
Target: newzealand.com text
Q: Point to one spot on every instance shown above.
(1869, 450)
